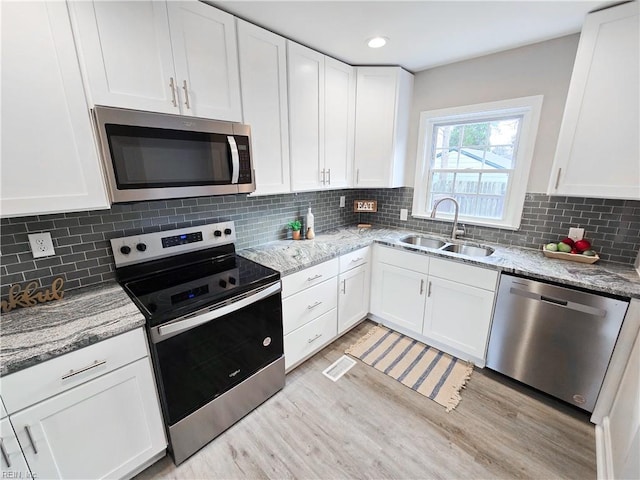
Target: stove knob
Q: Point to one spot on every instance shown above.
(222, 284)
(141, 247)
(217, 233)
(227, 231)
(232, 280)
(125, 249)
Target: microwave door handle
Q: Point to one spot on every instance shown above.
(235, 159)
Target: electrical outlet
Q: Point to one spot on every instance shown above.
(403, 214)
(342, 201)
(576, 234)
(41, 244)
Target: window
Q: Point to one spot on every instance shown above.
(480, 155)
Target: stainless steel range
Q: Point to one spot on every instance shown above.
(214, 321)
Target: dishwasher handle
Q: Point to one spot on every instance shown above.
(579, 307)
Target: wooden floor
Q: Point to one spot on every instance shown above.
(367, 425)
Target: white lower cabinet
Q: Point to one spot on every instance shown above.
(442, 302)
(354, 286)
(309, 311)
(97, 419)
(12, 462)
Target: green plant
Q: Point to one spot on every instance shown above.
(295, 225)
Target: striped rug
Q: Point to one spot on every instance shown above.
(420, 367)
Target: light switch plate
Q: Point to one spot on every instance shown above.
(403, 214)
(41, 244)
(576, 234)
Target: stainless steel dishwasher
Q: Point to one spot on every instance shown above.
(556, 339)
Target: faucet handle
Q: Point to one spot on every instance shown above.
(459, 231)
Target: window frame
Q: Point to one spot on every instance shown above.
(528, 108)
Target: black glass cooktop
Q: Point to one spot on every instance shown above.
(181, 289)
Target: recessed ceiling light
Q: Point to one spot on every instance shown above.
(377, 42)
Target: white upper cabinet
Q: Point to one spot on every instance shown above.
(321, 120)
(383, 102)
(263, 75)
(598, 154)
(339, 123)
(49, 158)
(174, 57)
(306, 116)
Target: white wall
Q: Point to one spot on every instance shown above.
(542, 68)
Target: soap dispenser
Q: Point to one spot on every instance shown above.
(310, 225)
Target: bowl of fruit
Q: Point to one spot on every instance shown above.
(574, 251)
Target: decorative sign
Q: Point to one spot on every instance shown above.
(30, 297)
(365, 206)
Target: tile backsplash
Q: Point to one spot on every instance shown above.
(83, 254)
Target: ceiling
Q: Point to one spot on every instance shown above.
(422, 34)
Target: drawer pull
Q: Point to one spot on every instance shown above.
(95, 364)
(429, 292)
(33, 444)
(5, 455)
(311, 340)
(311, 307)
(356, 259)
(421, 287)
(344, 287)
(311, 279)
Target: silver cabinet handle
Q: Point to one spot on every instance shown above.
(311, 279)
(344, 287)
(5, 455)
(357, 176)
(95, 364)
(356, 259)
(33, 444)
(311, 307)
(429, 289)
(172, 84)
(329, 172)
(186, 93)
(558, 178)
(317, 336)
(421, 286)
(322, 175)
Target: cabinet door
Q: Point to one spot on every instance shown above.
(306, 116)
(125, 49)
(458, 316)
(205, 53)
(375, 118)
(107, 427)
(598, 149)
(353, 297)
(263, 75)
(49, 156)
(398, 295)
(12, 462)
(339, 108)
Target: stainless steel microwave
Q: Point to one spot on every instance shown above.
(151, 156)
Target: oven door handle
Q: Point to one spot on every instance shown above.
(191, 321)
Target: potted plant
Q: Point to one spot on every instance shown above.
(295, 225)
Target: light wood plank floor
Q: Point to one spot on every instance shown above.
(367, 425)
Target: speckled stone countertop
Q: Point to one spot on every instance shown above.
(83, 317)
(288, 256)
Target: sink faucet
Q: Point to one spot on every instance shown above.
(455, 216)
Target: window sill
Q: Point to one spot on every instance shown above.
(468, 221)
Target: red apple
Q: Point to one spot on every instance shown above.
(583, 245)
(568, 241)
(573, 250)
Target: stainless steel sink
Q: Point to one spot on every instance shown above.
(423, 241)
(469, 250)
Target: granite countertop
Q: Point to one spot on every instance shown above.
(289, 256)
(34, 334)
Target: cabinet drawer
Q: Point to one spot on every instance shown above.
(465, 274)
(308, 277)
(403, 259)
(304, 306)
(310, 338)
(354, 259)
(34, 384)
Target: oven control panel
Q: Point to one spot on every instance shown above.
(151, 246)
